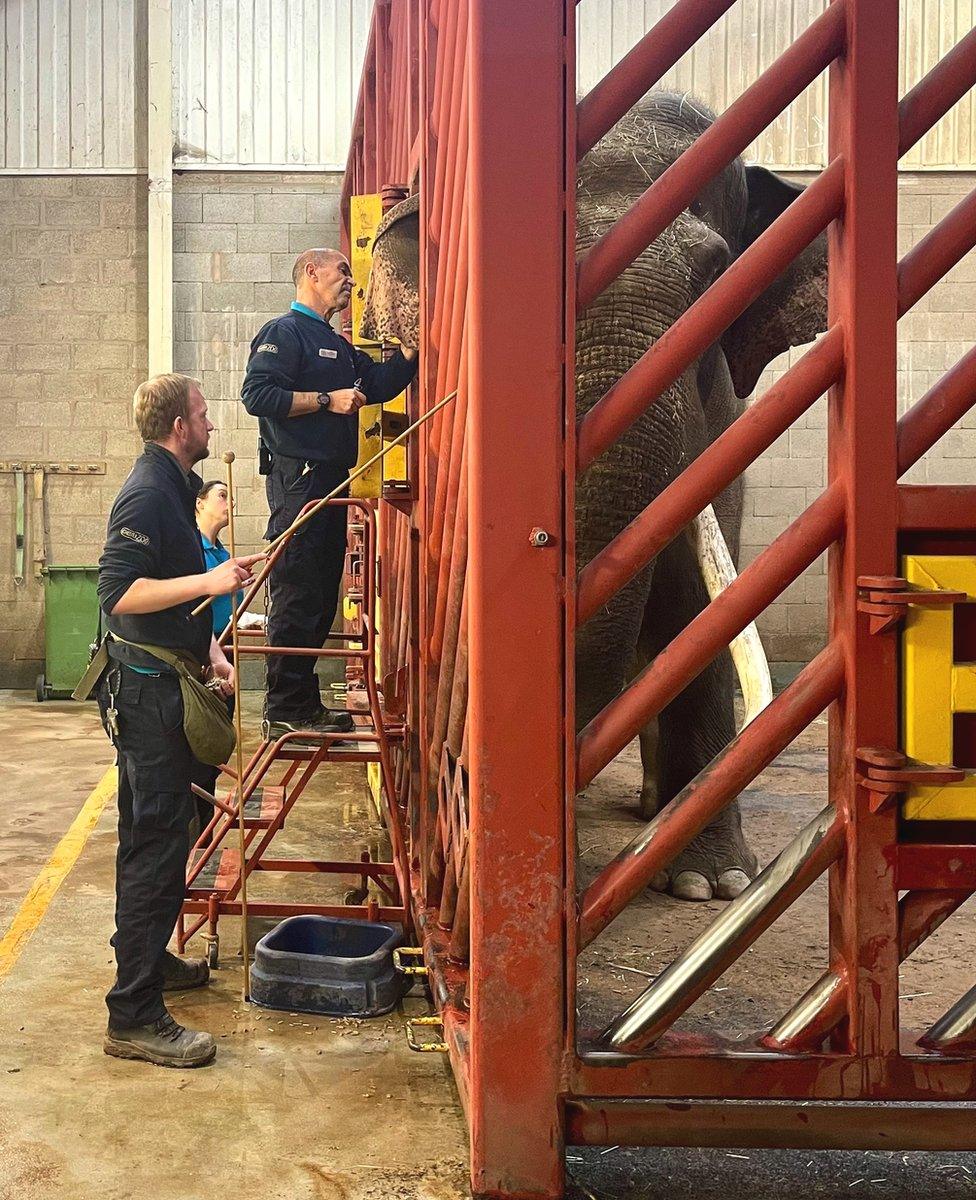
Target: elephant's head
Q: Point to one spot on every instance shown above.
(392, 308)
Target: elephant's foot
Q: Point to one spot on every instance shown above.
(718, 864)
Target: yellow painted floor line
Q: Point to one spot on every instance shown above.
(53, 874)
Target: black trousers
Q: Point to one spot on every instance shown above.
(155, 809)
(304, 583)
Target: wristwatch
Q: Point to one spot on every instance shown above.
(325, 400)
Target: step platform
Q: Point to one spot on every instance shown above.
(262, 806)
(220, 873)
(335, 966)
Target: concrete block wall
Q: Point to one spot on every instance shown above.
(235, 239)
(72, 350)
(792, 473)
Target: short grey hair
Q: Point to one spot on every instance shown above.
(318, 257)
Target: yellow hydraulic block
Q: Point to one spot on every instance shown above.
(935, 686)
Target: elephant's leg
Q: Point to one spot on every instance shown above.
(693, 728)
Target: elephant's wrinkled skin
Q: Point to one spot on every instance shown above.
(616, 329)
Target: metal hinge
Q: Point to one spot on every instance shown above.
(889, 773)
(887, 598)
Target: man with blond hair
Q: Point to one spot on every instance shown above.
(150, 577)
(305, 384)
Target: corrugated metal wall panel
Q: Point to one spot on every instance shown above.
(72, 87)
(273, 82)
(751, 35)
(266, 82)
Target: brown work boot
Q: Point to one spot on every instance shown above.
(181, 974)
(164, 1042)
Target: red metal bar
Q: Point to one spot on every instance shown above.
(948, 866)
(863, 294)
(516, 848)
(698, 1067)
(939, 409)
(691, 810)
(932, 97)
(937, 253)
(644, 66)
(732, 132)
(757, 1124)
(714, 469)
(703, 323)
(708, 634)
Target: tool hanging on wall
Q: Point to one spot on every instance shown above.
(304, 518)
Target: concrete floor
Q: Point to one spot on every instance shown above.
(300, 1108)
(293, 1107)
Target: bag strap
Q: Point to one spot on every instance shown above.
(176, 659)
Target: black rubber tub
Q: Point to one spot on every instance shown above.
(329, 965)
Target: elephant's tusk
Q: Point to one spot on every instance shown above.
(718, 571)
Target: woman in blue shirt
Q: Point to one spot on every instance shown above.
(212, 517)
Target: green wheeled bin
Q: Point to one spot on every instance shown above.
(70, 626)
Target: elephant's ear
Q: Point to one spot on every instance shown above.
(793, 309)
(391, 308)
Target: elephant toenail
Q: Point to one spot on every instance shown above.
(731, 884)
(690, 885)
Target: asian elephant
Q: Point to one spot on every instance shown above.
(611, 335)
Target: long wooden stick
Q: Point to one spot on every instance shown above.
(246, 993)
(306, 517)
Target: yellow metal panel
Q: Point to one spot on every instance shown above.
(964, 687)
(365, 214)
(934, 686)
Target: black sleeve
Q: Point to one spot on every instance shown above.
(383, 381)
(271, 372)
(132, 548)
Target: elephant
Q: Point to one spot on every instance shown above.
(612, 333)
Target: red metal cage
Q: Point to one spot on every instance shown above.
(471, 103)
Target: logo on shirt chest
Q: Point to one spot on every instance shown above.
(323, 353)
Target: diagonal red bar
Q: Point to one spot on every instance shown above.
(740, 124)
(709, 633)
(937, 253)
(762, 423)
(640, 69)
(932, 97)
(714, 469)
(691, 810)
(937, 411)
(699, 327)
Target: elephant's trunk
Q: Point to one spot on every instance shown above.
(718, 571)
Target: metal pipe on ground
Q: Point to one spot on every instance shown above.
(750, 914)
(824, 1005)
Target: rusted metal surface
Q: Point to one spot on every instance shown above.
(486, 612)
(592, 1122)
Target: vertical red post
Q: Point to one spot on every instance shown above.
(862, 455)
(519, 89)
